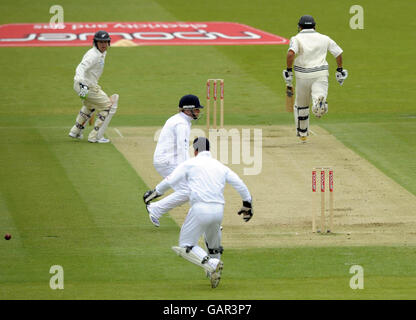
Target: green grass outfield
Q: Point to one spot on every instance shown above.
(76, 204)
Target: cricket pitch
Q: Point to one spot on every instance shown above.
(370, 208)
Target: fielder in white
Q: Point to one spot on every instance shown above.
(93, 98)
(172, 149)
(311, 71)
(206, 178)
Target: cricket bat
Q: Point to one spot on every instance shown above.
(91, 121)
(290, 100)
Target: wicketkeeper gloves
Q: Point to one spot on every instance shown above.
(150, 195)
(246, 210)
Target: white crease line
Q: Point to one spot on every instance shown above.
(312, 132)
(118, 132)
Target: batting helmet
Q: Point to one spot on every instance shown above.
(101, 36)
(306, 22)
(189, 102)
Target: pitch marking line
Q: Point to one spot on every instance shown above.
(118, 132)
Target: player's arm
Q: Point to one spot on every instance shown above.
(338, 59)
(85, 64)
(288, 73)
(234, 180)
(336, 51)
(291, 52)
(341, 73)
(177, 174)
(290, 58)
(83, 67)
(288, 77)
(165, 184)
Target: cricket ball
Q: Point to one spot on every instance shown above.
(8, 236)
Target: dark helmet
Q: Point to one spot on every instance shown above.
(189, 102)
(101, 36)
(201, 144)
(306, 22)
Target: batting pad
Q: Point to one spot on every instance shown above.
(113, 110)
(302, 119)
(194, 256)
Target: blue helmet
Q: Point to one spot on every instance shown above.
(189, 102)
(101, 36)
(306, 22)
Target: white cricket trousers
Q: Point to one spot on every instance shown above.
(175, 199)
(307, 90)
(202, 219)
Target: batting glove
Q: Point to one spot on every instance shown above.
(150, 195)
(83, 91)
(246, 210)
(288, 76)
(341, 75)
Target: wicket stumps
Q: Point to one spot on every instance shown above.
(214, 93)
(331, 198)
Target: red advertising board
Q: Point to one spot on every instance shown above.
(136, 33)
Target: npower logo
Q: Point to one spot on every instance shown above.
(136, 33)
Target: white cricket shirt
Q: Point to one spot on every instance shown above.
(173, 144)
(311, 49)
(206, 178)
(91, 67)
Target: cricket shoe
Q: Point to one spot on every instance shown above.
(215, 276)
(320, 107)
(152, 217)
(76, 135)
(303, 139)
(323, 105)
(102, 140)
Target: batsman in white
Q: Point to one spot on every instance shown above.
(206, 178)
(93, 98)
(171, 150)
(311, 71)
